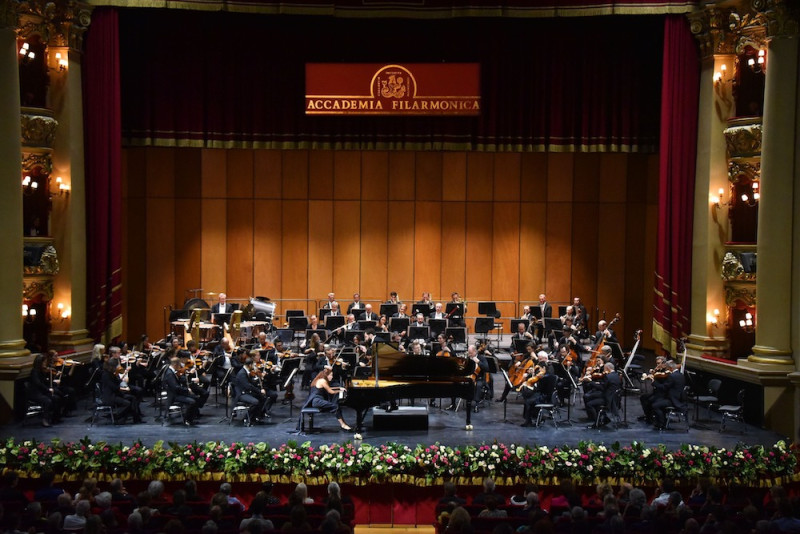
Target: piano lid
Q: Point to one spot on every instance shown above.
(397, 365)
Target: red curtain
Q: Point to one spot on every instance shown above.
(677, 156)
(103, 144)
(232, 80)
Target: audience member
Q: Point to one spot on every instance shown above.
(233, 502)
(489, 491)
(257, 507)
(297, 520)
(450, 495)
(47, 492)
(491, 509)
(78, 519)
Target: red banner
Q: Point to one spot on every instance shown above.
(378, 89)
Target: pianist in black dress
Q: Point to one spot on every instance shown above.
(324, 397)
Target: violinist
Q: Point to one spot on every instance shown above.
(140, 374)
(647, 399)
(368, 314)
(63, 393)
(224, 361)
(523, 362)
(567, 357)
(125, 366)
(40, 392)
(115, 394)
(667, 391)
(363, 359)
(605, 395)
(193, 377)
(311, 349)
(178, 391)
(248, 391)
(536, 395)
(482, 372)
(338, 366)
(267, 376)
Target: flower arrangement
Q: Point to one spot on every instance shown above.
(421, 465)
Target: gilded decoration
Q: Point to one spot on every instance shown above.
(739, 168)
(781, 16)
(744, 140)
(38, 130)
(47, 264)
(32, 289)
(61, 23)
(733, 268)
(32, 160)
(9, 10)
(744, 294)
(712, 29)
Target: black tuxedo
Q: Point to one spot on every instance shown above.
(671, 394)
(355, 306)
(368, 316)
(124, 402)
(547, 310)
(248, 393)
(230, 307)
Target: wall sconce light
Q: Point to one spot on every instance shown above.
(29, 185)
(720, 77)
(63, 189)
(759, 63)
(746, 324)
(718, 200)
(28, 314)
(26, 54)
(62, 63)
(751, 200)
(713, 319)
(62, 313)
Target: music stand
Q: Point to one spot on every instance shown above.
(366, 325)
(459, 334)
(423, 308)
(552, 325)
(177, 315)
(221, 318)
(332, 322)
(322, 313)
(284, 334)
(399, 324)
(453, 306)
(515, 322)
(505, 401)
(323, 334)
(295, 313)
(388, 309)
(483, 325)
(562, 310)
(419, 332)
(520, 344)
(487, 308)
(437, 326)
(350, 334)
(298, 324)
(536, 311)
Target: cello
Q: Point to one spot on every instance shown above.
(520, 367)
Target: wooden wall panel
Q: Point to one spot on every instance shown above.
(479, 251)
(427, 248)
(346, 249)
(400, 267)
(294, 174)
(505, 254)
(320, 175)
(294, 265)
(240, 249)
(267, 250)
(374, 175)
(480, 172)
(320, 248)
(374, 218)
(297, 224)
(532, 250)
(401, 176)
(213, 175)
(347, 175)
(507, 171)
(454, 250)
(267, 168)
(240, 173)
(454, 176)
(159, 226)
(429, 176)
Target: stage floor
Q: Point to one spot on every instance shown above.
(445, 427)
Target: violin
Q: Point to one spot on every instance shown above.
(530, 383)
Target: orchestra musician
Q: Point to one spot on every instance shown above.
(178, 391)
(225, 362)
(248, 392)
(457, 318)
(325, 397)
(416, 348)
(136, 391)
(266, 374)
(425, 305)
(526, 313)
(351, 322)
(363, 357)
(141, 374)
(393, 299)
(438, 312)
(667, 391)
(482, 371)
(533, 394)
(199, 359)
(545, 311)
(580, 312)
(368, 314)
(331, 300)
(191, 376)
(337, 364)
(401, 312)
(41, 392)
(356, 304)
(419, 321)
(383, 324)
(607, 382)
(647, 399)
(115, 394)
(526, 359)
(64, 394)
(313, 323)
(311, 349)
(334, 309)
(521, 334)
(223, 306)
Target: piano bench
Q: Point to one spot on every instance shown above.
(310, 412)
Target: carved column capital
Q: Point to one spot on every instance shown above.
(782, 17)
(711, 27)
(61, 23)
(9, 14)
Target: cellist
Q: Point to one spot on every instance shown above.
(529, 391)
(517, 371)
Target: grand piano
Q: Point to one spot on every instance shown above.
(397, 375)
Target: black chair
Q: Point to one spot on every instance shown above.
(549, 409)
(32, 408)
(733, 412)
(612, 411)
(682, 413)
(709, 400)
(101, 409)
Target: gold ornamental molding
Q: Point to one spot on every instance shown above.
(733, 268)
(746, 294)
(743, 140)
(711, 27)
(47, 261)
(38, 287)
(747, 168)
(38, 127)
(32, 160)
(782, 17)
(61, 23)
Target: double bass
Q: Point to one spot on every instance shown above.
(592, 363)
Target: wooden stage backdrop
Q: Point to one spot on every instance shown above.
(296, 224)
